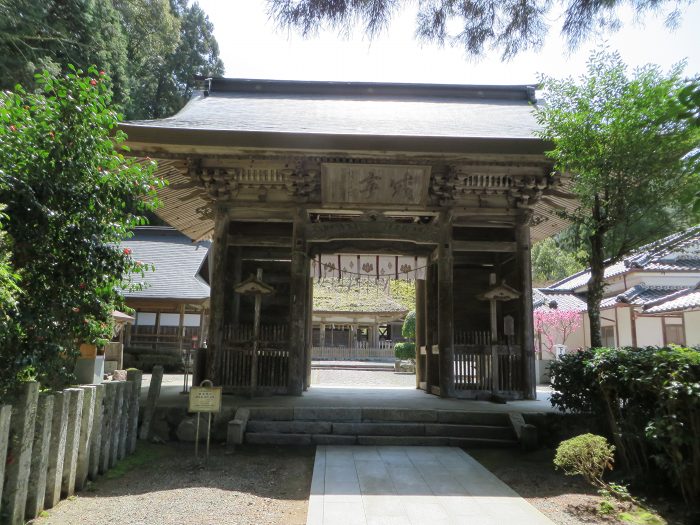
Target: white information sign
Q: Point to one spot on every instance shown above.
(205, 399)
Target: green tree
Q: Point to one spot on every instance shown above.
(627, 150)
(69, 192)
(551, 263)
(40, 35)
(510, 26)
(408, 330)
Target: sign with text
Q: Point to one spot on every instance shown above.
(205, 399)
(374, 184)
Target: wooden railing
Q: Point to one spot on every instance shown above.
(488, 368)
(158, 343)
(244, 332)
(272, 368)
(361, 353)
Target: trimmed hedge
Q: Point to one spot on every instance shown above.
(650, 400)
(405, 350)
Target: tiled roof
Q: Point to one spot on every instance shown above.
(679, 252)
(548, 298)
(640, 295)
(177, 261)
(358, 109)
(351, 296)
(686, 299)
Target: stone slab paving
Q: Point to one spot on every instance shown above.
(410, 486)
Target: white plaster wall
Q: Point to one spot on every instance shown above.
(649, 331)
(624, 326)
(663, 279)
(692, 328)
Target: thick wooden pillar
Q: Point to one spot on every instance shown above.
(527, 333)
(298, 307)
(420, 334)
(237, 264)
(309, 330)
(217, 255)
(445, 306)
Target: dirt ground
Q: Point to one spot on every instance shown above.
(165, 485)
(566, 500)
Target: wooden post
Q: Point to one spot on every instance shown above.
(527, 339)
(217, 294)
(309, 331)
(298, 310)
(493, 311)
(445, 306)
(181, 330)
(429, 324)
(237, 264)
(420, 332)
(256, 339)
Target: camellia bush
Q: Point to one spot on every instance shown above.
(405, 350)
(70, 197)
(650, 400)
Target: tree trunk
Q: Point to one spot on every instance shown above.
(596, 284)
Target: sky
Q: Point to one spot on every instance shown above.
(252, 47)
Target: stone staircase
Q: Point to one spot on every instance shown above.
(372, 426)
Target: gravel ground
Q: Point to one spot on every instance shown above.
(165, 485)
(566, 500)
(361, 378)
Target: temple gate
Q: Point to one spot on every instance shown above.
(286, 175)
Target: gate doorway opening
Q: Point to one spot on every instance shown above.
(357, 322)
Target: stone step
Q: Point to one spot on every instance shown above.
(379, 429)
(290, 427)
(470, 431)
(271, 438)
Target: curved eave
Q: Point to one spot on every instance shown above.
(202, 140)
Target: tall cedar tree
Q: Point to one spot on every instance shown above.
(510, 26)
(152, 49)
(623, 140)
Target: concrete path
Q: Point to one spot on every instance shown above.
(360, 485)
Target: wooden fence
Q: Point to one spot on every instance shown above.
(360, 353)
(488, 368)
(51, 444)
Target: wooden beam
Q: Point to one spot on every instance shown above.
(373, 247)
(373, 230)
(483, 246)
(265, 241)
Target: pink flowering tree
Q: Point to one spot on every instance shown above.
(554, 326)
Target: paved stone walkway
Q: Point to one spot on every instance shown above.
(360, 485)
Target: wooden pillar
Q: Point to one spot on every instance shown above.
(527, 339)
(420, 332)
(217, 293)
(181, 330)
(309, 330)
(429, 325)
(237, 264)
(445, 307)
(298, 310)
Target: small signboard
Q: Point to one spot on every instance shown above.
(205, 399)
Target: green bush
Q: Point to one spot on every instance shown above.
(650, 401)
(408, 330)
(586, 455)
(405, 350)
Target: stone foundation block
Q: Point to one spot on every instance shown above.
(290, 427)
(333, 439)
(327, 414)
(107, 421)
(136, 378)
(272, 413)
(235, 431)
(398, 414)
(116, 423)
(5, 417)
(262, 438)
(128, 388)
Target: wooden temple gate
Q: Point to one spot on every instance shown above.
(278, 199)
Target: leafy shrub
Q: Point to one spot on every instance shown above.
(405, 350)
(650, 400)
(586, 455)
(408, 330)
(71, 198)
